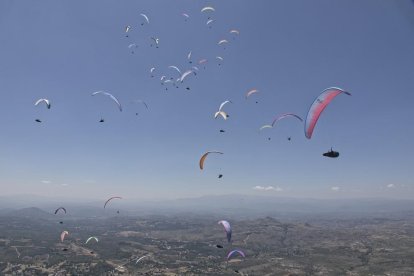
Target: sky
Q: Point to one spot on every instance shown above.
(289, 50)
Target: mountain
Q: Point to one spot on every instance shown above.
(30, 213)
(238, 206)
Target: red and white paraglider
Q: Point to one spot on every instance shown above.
(318, 106)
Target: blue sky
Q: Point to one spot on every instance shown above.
(289, 50)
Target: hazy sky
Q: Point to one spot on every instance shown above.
(289, 50)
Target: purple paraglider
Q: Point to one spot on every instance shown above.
(233, 252)
(227, 228)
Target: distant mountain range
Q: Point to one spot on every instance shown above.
(31, 212)
(242, 206)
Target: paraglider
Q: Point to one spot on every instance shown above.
(156, 41)
(185, 15)
(46, 101)
(227, 229)
(127, 29)
(207, 9)
(279, 117)
(175, 68)
(60, 208)
(204, 156)
(222, 41)
(202, 61)
(63, 235)
(209, 22)
(234, 32)
(234, 252)
(265, 126)
(114, 197)
(168, 81)
(284, 115)
(140, 258)
(92, 238)
(250, 92)
(109, 95)
(318, 106)
(185, 74)
(220, 112)
(142, 102)
(145, 17)
(331, 154)
(131, 46)
(17, 251)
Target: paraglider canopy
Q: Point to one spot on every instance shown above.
(60, 208)
(222, 41)
(106, 202)
(92, 238)
(284, 115)
(145, 17)
(46, 101)
(234, 252)
(318, 106)
(110, 96)
(140, 258)
(204, 156)
(227, 229)
(63, 235)
(221, 112)
(207, 9)
(250, 92)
